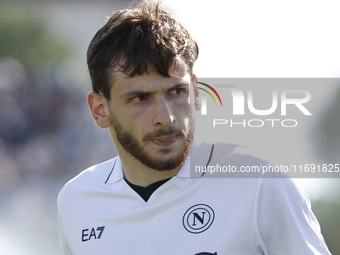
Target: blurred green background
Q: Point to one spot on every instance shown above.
(47, 135)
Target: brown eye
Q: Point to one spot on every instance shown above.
(176, 91)
(140, 98)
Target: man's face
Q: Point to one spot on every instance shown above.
(152, 119)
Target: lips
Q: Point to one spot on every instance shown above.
(165, 140)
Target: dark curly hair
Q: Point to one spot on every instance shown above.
(135, 41)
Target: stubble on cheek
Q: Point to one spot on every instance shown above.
(131, 145)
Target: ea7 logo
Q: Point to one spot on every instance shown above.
(94, 233)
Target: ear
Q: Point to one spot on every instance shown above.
(99, 109)
(194, 82)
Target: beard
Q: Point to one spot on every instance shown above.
(131, 145)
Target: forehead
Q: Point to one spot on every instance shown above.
(121, 83)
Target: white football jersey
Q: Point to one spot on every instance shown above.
(99, 213)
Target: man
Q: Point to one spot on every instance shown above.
(144, 201)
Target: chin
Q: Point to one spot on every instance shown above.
(169, 159)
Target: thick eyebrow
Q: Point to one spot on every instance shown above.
(179, 85)
(136, 93)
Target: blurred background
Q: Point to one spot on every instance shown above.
(47, 135)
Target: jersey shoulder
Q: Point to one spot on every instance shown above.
(237, 154)
(92, 178)
(233, 160)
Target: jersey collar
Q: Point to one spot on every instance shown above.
(197, 156)
(117, 173)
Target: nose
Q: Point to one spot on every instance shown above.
(163, 116)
